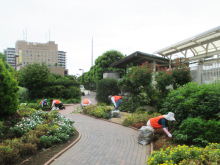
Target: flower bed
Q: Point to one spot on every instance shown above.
(98, 111)
(36, 130)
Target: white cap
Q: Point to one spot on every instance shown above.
(169, 116)
(109, 96)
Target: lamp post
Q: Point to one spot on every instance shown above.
(82, 75)
(16, 55)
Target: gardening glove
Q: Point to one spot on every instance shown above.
(169, 135)
(116, 107)
(167, 132)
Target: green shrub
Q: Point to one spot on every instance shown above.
(87, 109)
(23, 93)
(106, 87)
(71, 93)
(184, 155)
(193, 100)
(129, 105)
(8, 91)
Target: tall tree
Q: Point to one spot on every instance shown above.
(34, 77)
(8, 91)
(3, 56)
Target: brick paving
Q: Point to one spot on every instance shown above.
(102, 143)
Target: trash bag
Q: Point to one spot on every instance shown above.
(145, 135)
(116, 114)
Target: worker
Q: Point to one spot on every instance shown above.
(116, 100)
(86, 102)
(43, 102)
(161, 121)
(57, 103)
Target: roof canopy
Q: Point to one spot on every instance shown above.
(137, 58)
(203, 45)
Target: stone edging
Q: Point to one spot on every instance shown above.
(64, 150)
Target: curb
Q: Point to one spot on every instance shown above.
(64, 150)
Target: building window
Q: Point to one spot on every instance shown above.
(31, 62)
(55, 56)
(52, 52)
(41, 51)
(41, 55)
(31, 51)
(24, 62)
(37, 51)
(27, 58)
(48, 59)
(27, 50)
(23, 50)
(48, 55)
(27, 62)
(52, 59)
(31, 59)
(45, 59)
(45, 56)
(45, 52)
(55, 60)
(23, 58)
(23, 55)
(38, 59)
(42, 60)
(55, 52)
(35, 55)
(35, 59)
(52, 56)
(34, 51)
(48, 52)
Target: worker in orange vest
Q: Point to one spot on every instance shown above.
(57, 103)
(86, 102)
(116, 100)
(161, 121)
(43, 102)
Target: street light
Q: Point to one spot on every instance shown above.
(16, 55)
(82, 75)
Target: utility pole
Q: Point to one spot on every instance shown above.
(92, 53)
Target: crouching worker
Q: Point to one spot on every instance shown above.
(85, 102)
(116, 100)
(56, 104)
(146, 133)
(43, 102)
(161, 121)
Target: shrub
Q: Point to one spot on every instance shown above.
(198, 132)
(193, 100)
(46, 141)
(184, 155)
(8, 91)
(106, 87)
(23, 93)
(129, 105)
(71, 93)
(87, 109)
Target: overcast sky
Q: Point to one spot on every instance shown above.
(123, 25)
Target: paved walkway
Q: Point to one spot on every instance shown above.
(102, 143)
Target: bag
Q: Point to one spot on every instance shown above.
(145, 135)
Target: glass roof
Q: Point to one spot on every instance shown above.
(203, 45)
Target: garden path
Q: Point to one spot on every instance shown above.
(102, 143)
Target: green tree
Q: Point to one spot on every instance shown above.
(34, 77)
(8, 91)
(3, 56)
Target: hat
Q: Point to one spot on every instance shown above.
(169, 116)
(109, 96)
(45, 100)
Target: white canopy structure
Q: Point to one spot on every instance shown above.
(201, 46)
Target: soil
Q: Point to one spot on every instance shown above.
(44, 155)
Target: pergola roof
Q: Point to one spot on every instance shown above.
(137, 58)
(203, 45)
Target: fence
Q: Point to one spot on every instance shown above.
(208, 73)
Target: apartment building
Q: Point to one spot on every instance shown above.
(31, 52)
(10, 56)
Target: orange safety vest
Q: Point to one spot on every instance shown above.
(40, 102)
(117, 98)
(154, 122)
(57, 101)
(86, 101)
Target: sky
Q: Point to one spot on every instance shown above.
(123, 25)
